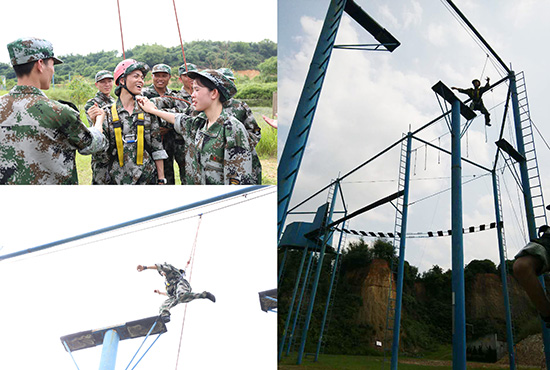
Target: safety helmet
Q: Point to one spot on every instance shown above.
(129, 65)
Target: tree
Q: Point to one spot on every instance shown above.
(268, 70)
(81, 90)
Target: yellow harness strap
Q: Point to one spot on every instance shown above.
(118, 135)
(140, 144)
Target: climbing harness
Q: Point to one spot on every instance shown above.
(129, 139)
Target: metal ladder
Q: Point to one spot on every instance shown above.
(390, 310)
(530, 153)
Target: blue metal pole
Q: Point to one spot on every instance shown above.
(291, 307)
(458, 296)
(332, 278)
(109, 352)
(293, 152)
(504, 277)
(401, 266)
(244, 190)
(529, 214)
(327, 235)
(300, 300)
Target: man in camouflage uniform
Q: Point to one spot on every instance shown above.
(241, 111)
(104, 83)
(187, 88)
(178, 289)
(38, 136)
(161, 79)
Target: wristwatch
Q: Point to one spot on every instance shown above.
(162, 181)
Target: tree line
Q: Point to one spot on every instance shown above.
(237, 55)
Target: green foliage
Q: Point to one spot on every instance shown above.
(357, 255)
(268, 70)
(80, 90)
(257, 94)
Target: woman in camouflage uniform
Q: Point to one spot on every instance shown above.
(135, 148)
(218, 147)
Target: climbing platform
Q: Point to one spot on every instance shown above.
(129, 330)
(442, 90)
(268, 300)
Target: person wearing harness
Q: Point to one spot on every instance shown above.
(218, 148)
(136, 155)
(531, 262)
(178, 289)
(475, 94)
(104, 83)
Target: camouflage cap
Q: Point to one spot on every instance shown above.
(161, 68)
(30, 49)
(225, 86)
(190, 68)
(102, 75)
(227, 73)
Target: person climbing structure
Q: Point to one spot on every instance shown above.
(475, 94)
(178, 289)
(532, 261)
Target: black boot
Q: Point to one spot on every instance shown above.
(165, 316)
(210, 296)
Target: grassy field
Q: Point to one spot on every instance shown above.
(340, 362)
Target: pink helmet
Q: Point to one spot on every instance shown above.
(121, 68)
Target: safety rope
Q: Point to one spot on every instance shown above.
(179, 33)
(120, 23)
(192, 262)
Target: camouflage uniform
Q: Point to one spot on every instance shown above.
(242, 112)
(131, 172)
(220, 155)
(38, 136)
(177, 287)
(100, 161)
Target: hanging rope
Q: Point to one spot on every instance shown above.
(179, 33)
(483, 71)
(191, 262)
(121, 35)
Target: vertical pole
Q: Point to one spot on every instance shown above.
(293, 152)
(401, 266)
(291, 307)
(458, 296)
(529, 214)
(503, 276)
(109, 352)
(324, 242)
(332, 278)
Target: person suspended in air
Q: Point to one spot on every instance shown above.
(475, 94)
(531, 262)
(178, 289)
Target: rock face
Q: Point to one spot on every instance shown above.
(484, 298)
(374, 285)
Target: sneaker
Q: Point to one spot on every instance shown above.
(165, 316)
(210, 296)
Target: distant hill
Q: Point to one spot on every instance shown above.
(205, 54)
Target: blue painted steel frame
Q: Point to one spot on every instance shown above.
(291, 158)
(458, 296)
(401, 266)
(109, 352)
(529, 214)
(503, 277)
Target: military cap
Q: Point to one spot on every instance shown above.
(102, 75)
(227, 73)
(30, 49)
(190, 68)
(225, 86)
(161, 68)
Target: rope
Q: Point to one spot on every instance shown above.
(179, 33)
(121, 35)
(192, 262)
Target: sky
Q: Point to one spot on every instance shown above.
(76, 29)
(370, 99)
(93, 283)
